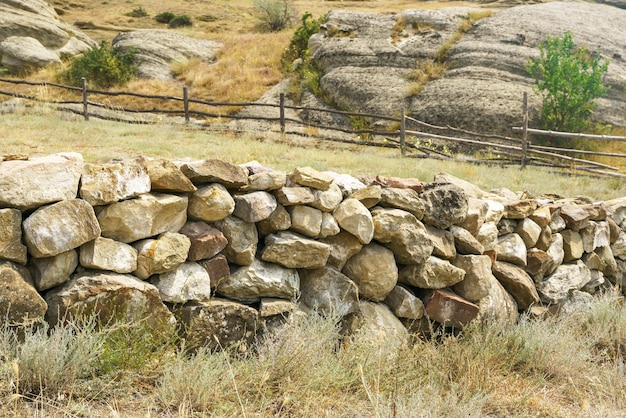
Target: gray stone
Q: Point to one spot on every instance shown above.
(327, 200)
(11, 247)
(445, 205)
(380, 327)
(242, 239)
(329, 227)
(404, 304)
(328, 291)
(511, 248)
(254, 207)
(488, 236)
(567, 277)
(52, 271)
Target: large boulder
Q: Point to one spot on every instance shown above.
(32, 36)
(156, 50)
(374, 270)
(20, 304)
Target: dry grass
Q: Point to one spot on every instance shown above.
(568, 366)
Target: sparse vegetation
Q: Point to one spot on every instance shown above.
(571, 365)
(165, 17)
(569, 79)
(138, 12)
(274, 15)
(180, 21)
(102, 66)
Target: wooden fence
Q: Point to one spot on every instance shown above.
(407, 137)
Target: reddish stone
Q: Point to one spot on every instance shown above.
(218, 269)
(493, 255)
(401, 183)
(206, 241)
(536, 260)
(575, 217)
(449, 309)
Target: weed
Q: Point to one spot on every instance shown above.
(138, 12)
(165, 17)
(180, 21)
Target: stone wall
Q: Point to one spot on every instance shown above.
(227, 251)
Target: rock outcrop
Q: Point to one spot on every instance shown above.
(33, 36)
(471, 256)
(367, 61)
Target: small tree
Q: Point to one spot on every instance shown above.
(569, 78)
(275, 15)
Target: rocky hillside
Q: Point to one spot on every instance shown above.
(367, 60)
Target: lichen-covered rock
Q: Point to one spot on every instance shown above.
(445, 205)
(20, 304)
(242, 239)
(109, 297)
(328, 291)
(402, 233)
(11, 247)
(567, 277)
(434, 273)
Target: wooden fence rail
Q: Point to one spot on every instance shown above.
(510, 148)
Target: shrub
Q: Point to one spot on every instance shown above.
(568, 78)
(298, 46)
(275, 15)
(138, 12)
(103, 66)
(165, 17)
(180, 20)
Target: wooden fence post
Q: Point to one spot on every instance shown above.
(524, 132)
(282, 113)
(403, 133)
(85, 112)
(186, 103)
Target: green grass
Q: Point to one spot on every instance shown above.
(572, 365)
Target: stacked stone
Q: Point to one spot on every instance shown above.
(227, 251)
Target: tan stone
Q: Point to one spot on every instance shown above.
(273, 306)
(542, 216)
(575, 217)
(261, 279)
(354, 217)
(265, 181)
(572, 245)
(330, 226)
(404, 304)
(517, 283)
(211, 203)
(11, 247)
(102, 184)
(373, 270)
(242, 239)
(529, 231)
(596, 234)
(380, 327)
(28, 184)
(309, 177)
(255, 206)
(165, 176)
(405, 199)
(306, 220)
(488, 236)
(215, 171)
(107, 254)
(434, 273)
(370, 196)
(403, 234)
(279, 220)
(288, 196)
(465, 242)
(476, 212)
(401, 183)
(545, 239)
(156, 256)
(327, 200)
(52, 271)
(519, 209)
(342, 246)
(443, 242)
(495, 211)
(146, 216)
(511, 248)
(294, 251)
(498, 307)
(60, 227)
(476, 283)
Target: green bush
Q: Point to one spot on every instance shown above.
(102, 66)
(568, 78)
(275, 15)
(298, 46)
(138, 12)
(165, 17)
(180, 20)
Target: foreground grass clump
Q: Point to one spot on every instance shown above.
(571, 365)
